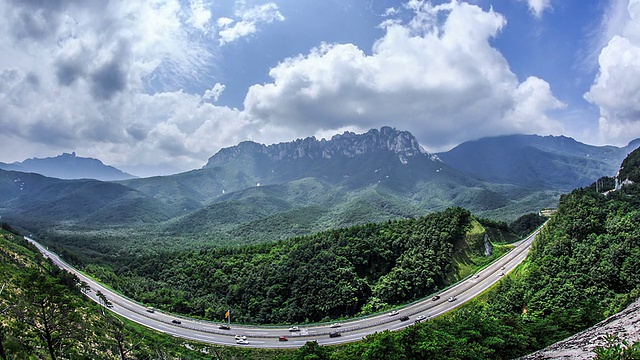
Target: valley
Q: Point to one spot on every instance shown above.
(305, 186)
(349, 330)
(332, 275)
(319, 180)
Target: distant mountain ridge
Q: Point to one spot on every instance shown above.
(345, 163)
(557, 162)
(69, 166)
(348, 144)
(252, 193)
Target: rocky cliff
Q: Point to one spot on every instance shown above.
(347, 144)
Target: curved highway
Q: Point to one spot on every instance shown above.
(269, 336)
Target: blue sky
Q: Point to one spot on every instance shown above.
(157, 87)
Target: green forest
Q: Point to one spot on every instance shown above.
(581, 269)
(45, 315)
(330, 275)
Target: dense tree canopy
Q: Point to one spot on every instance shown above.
(582, 268)
(328, 275)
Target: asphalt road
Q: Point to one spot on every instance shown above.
(268, 336)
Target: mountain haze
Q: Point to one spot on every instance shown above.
(541, 162)
(69, 166)
(38, 199)
(350, 160)
(252, 193)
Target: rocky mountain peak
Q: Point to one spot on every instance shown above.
(347, 144)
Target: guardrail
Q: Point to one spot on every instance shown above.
(213, 331)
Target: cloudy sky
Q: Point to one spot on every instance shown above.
(158, 86)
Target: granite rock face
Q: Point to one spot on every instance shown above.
(625, 325)
(347, 144)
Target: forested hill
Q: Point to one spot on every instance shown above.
(555, 162)
(583, 267)
(45, 315)
(630, 169)
(329, 275)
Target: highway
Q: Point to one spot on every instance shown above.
(268, 336)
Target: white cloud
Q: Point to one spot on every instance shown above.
(224, 22)
(84, 85)
(214, 93)
(391, 11)
(89, 83)
(441, 80)
(538, 7)
(249, 19)
(532, 96)
(200, 15)
(616, 88)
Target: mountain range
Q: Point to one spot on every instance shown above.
(551, 162)
(251, 192)
(69, 166)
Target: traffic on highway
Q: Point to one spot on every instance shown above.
(296, 335)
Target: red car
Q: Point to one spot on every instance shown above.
(283, 338)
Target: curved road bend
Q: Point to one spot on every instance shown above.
(267, 336)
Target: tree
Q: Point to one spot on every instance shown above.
(103, 301)
(48, 309)
(3, 353)
(616, 349)
(312, 351)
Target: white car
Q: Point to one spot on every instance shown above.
(242, 341)
(421, 318)
(241, 337)
(335, 325)
(394, 313)
(452, 299)
(294, 328)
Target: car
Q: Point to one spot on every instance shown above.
(335, 325)
(176, 321)
(404, 318)
(240, 337)
(224, 327)
(435, 298)
(335, 334)
(452, 299)
(394, 313)
(501, 273)
(151, 310)
(421, 318)
(283, 338)
(242, 341)
(294, 328)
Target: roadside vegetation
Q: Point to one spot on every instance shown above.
(45, 315)
(330, 275)
(582, 268)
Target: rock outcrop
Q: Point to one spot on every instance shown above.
(348, 144)
(625, 325)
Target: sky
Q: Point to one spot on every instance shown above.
(156, 87)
